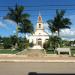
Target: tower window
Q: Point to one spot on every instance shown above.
(39, 25)
(39, 33)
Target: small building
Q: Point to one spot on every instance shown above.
(39, 36)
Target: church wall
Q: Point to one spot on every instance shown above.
(35, 38)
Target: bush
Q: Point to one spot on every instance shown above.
(7, 43)
(20, 47)
(31, 44)
(23, 43)
(52, 43)
(46, 45)
(26, 43)
(14, 40)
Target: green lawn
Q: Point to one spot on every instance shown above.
(5, 51)
(8, 51)
(72, 52)
(50, 52)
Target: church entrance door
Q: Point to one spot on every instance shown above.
(40, 42)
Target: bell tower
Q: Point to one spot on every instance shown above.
(40, 25)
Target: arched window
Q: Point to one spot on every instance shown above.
(39, 39)
(39, 25)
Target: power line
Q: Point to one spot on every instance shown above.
(42, 9)
(39, 5)
(50, 9)
(49, 5)
(45, 15)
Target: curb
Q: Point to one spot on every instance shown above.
(39, 61)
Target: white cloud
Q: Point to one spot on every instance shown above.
(10, 21)
(14, 31)
(67, 32)
(47, 29)
(45, 25)
(2, 25)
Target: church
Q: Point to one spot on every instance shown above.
(40, 36)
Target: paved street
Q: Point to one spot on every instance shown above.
(24, 68)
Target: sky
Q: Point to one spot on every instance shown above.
(47, 9)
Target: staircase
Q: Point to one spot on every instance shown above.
(32, 52)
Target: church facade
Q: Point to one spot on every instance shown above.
(40, 36)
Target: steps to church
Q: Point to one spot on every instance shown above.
(32, 53)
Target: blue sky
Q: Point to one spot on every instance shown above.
(47, 9)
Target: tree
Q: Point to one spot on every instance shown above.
(17, 15)
(0, 39)
(7, 42)
(51, 26)
(52, 43)
(13, 40)
(26, 27)
(59, 22)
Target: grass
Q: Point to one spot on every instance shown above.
(72, 52)
(4, 51)
(50, 51)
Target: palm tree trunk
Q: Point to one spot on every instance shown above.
(17, 36)
(58, 33)
(52, 33)
(24, 38)
(58, 36)
(17, 31)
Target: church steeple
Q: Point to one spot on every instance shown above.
(40, 25)
(39, 18)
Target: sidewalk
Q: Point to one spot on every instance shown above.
(24, 58)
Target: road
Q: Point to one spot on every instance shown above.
(23, 68)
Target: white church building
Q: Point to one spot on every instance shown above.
(39, 36)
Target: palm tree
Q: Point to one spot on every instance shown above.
(51, 26)
(59, 22)
(16, 14)
(26, 27)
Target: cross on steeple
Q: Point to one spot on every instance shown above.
(39, 13)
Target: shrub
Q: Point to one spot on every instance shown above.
(31, 44)
(20, 46)
(7, 43)
(52, 43)
(46, 45)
